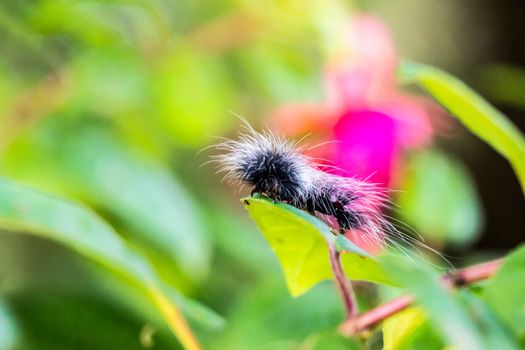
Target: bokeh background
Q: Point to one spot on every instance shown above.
(108, 103)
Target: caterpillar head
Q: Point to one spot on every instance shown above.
(267, 164)
(272, 173)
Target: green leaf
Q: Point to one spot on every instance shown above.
(435, 183)
(266, 316)
(300, 243)
(473, 111)
(505, 293)
(496, 335)
(423, 337)
(398, 329)
(26, 211)
(445, 312)
(329, 340)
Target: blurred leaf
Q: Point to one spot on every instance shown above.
(505, 293)
(8, 327)
(398, 329)
(33, 264)
(196, 312)
(109, 173)
(26, 211)
(422, 337)
(445, 312)
(439, 200)
(266, 316)
(473, 111)
(231, 237)
(194, 96)
(300, 243)
(65, 321)
(496, 335)
(330, 340)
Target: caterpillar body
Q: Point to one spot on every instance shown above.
(279, 169)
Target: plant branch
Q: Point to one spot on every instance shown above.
(342, 283)
(458, 278)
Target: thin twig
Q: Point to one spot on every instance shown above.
(343, 284)
(459, 278)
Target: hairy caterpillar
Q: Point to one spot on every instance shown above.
(278, 169)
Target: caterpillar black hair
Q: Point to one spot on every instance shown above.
(277, 168)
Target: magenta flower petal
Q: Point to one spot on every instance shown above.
(365, 146)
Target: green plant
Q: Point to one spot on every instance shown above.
(466, 319)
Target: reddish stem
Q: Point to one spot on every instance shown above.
(459, 278)
(343, 285)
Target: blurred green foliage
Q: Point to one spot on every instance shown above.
(434, 183)
(109, 227)
(473, 111)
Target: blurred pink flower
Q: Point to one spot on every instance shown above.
(366, 145)
(367, 117)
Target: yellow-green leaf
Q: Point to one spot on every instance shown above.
(300, 242)
(473, 111)
(397, 329)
